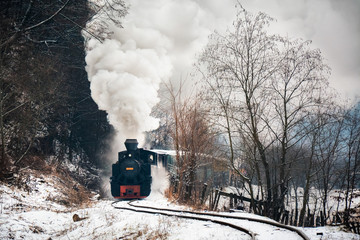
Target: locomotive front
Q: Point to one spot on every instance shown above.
(131, 174)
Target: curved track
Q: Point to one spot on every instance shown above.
(162, 212)
(207, 217)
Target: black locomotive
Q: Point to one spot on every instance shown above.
(131, 174)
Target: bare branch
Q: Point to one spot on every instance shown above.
(48, 19)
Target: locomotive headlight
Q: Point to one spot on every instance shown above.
(129, 169)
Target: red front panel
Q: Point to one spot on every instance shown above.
(130, 191)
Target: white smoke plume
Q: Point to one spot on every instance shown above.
(158, 41)
(124, 83)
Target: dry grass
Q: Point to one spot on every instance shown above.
(168, 193)
(68, 192)
(161, 232)
(72, 194)
(194, 205)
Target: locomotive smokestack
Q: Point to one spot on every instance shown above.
(131, 144)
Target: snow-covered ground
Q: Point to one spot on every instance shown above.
(38, 214)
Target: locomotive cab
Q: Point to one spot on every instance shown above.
(131, 174)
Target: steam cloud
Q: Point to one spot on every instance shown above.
(158, 41)
(124, 83)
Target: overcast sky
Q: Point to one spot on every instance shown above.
(332, 25)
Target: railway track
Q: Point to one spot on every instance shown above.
(151, 210)
(202, 216)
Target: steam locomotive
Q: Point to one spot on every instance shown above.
(131, 174)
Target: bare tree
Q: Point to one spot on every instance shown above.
(297, 87)
(243, 62)
(264, 88)
(193, 139)
(329, 154)
(105, 13)
(352, 159)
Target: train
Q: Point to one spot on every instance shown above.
(131, 174)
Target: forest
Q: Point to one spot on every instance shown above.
(46, 111)
(263, 110)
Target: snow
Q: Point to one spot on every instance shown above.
(34, 214)
(329, 233)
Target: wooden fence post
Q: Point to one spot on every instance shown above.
(203, 194)
(322, 219)
(317, 221)
(312, 220)
(296, 217)
(286, 217)
(215, 199)
(283, 218)
(355, 227)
